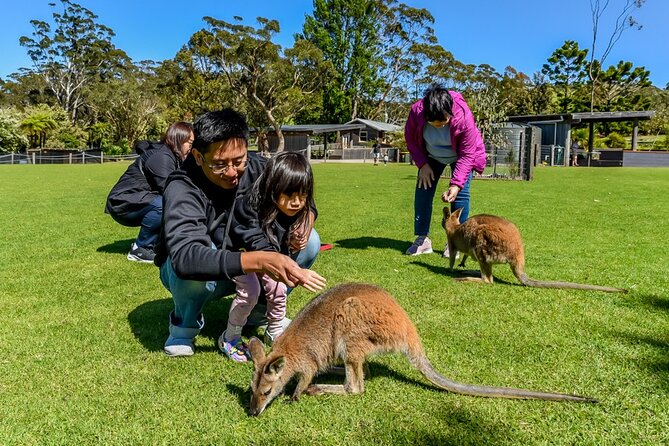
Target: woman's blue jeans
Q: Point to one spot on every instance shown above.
(148, 218)
(189, 296)
(424, 199)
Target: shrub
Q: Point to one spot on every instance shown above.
(615, 140)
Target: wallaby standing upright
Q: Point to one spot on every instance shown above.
(347, 323)
(491, 239)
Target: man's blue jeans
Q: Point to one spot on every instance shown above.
(424, 199)
(189, 296)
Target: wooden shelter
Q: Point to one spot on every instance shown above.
(302, 137)
(556, 128)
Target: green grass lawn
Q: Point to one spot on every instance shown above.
(82, 328)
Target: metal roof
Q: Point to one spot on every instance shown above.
(575, 118)
(378, 125)
(313, 129)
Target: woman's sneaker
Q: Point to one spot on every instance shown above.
(139, 254)
(422, 245)
(235, 349)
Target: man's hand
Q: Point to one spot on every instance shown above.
(450, 194)
(281, 268)
(425, 176)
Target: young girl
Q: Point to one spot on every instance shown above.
(276, 216)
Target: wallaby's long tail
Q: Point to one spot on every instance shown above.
(576, 286)
(423, 364)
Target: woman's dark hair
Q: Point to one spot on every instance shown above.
(176, 136)
(221, 125)
(285, 173)
(437, 103)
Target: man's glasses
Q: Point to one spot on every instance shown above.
(219, 169)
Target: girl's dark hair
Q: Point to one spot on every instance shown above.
(437, 103)
(285, 173)
(176, 135)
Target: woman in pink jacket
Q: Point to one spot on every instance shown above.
(440, 131)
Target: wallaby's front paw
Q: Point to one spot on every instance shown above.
(313, 390)
(293, 399)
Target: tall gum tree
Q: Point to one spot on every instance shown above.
(72, 53)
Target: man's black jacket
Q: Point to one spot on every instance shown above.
(196, 216)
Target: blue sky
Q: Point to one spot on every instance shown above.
(522, 34)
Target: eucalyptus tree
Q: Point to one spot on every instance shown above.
(567, 70)
(129, 103)
(280, 84)
(71, 53)
(404, 32)
(192, 82)
(25, 88)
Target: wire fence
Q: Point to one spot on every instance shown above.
(63, 157)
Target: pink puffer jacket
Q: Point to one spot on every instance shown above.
(465, 138)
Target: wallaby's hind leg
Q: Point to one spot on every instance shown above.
(354, 382)
(486, 271)
(355, 377)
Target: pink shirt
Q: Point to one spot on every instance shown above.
(465, 136)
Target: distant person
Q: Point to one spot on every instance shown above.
(136, 199)
(385, 158)
(376, 152)
(441, 131)
(196, 255)
(280, 206)
(574, 153)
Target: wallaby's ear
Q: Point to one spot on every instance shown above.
(457, 213)
(275, 367)
(257, 350)
(447, 212)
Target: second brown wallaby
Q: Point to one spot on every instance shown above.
(490, 239)
(346, 324)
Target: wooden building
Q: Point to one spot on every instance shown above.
(556, 128)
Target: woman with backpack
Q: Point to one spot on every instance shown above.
(136, 199)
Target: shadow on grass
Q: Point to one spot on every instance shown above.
(373, 242)
(456, 273)
(149, 322)
(117, 247)
(657, 363)
(465, 428)
(243, 395)
(655, 301)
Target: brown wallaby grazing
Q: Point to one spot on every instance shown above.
(490, 239)
(347, 323)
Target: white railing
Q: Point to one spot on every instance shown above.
(45, 157)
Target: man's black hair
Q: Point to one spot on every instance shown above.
(221, 125)
(437, 103)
